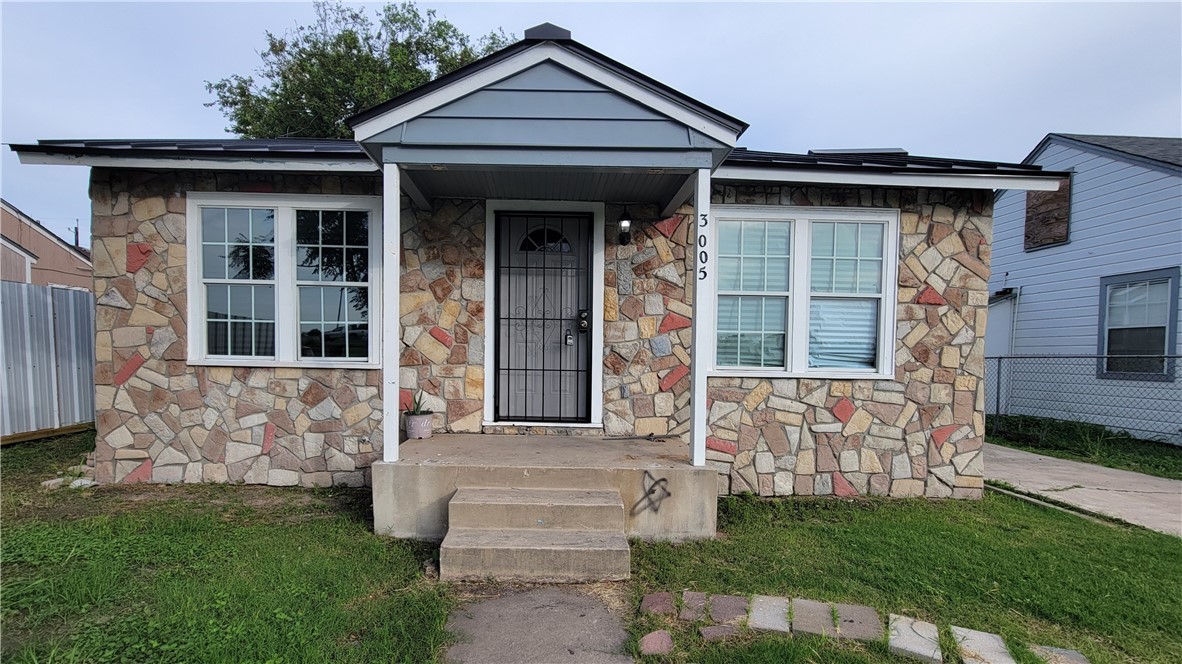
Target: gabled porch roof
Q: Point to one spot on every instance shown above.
(547, 118)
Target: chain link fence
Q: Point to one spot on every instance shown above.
(1140, 395)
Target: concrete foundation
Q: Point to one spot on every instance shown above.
(664, 497)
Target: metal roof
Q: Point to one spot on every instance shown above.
(1160, 149)
(887, 161)
(291, 148)
(310, 148)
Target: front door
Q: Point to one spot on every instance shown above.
(543, 308)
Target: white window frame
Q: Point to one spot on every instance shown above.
(287, 317)
(796, 357)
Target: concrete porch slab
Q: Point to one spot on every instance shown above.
(664, 497)
(467, 449)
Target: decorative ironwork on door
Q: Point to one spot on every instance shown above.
(543, 306)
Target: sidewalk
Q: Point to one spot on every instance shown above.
(1152, 502)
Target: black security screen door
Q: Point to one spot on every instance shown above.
(543, 306)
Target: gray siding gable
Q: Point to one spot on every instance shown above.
(547, 105)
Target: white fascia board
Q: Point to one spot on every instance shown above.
(1019, 182)
(213, 164)
(535, 55)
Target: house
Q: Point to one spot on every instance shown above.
(583, 257)
(1085, 284)
(46, 330)
(32, 254)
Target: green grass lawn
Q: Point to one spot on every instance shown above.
(256, 574)
(1080, 441)
(1036, 576)
(204, 573)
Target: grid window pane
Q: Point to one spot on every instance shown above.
(728, 273)
(240, 320)
(729, 233)
(238, 225)
(213, 261)
(847, 257)
(213, 224)
(843, 333)
(754, 256)
(332, 245)
(334, 321)
(751, 331)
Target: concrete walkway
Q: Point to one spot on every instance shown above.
(1152, 502)
(544, 625)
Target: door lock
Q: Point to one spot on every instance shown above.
(584, 324)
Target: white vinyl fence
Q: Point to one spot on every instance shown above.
(47, 352)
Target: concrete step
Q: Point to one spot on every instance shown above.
(539, 555)
(570, 509)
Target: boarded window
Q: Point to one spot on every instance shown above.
(1048, 214)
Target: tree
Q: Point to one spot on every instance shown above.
(314, 77)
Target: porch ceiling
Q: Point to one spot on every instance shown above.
(620, 186)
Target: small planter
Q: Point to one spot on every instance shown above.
(419, 426)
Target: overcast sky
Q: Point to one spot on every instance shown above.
(982, 81)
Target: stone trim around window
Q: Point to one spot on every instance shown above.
(287, 323)
(1169, 368)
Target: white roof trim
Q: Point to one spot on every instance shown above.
(543, 52)
(967, 181)
(254, 164)
(45, 232)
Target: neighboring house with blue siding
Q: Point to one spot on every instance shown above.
(1092, 269)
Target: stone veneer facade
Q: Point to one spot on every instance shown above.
(917, 435)
(160, 419)
(646, 323)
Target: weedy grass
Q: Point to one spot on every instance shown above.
(1081, 441)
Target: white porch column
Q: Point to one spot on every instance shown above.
(390, 329)
(702, 355)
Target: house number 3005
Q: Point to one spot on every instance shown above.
(703, 255)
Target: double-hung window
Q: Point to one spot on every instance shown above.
(1138, 319)
(805, 291)
(279, 280)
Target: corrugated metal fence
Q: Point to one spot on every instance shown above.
(47, 351)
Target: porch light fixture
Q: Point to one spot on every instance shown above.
(625, 228)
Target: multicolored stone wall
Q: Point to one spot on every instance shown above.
(646, 314)
(647, 318)
(442, 309)
(160, 419)
(917, 435)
